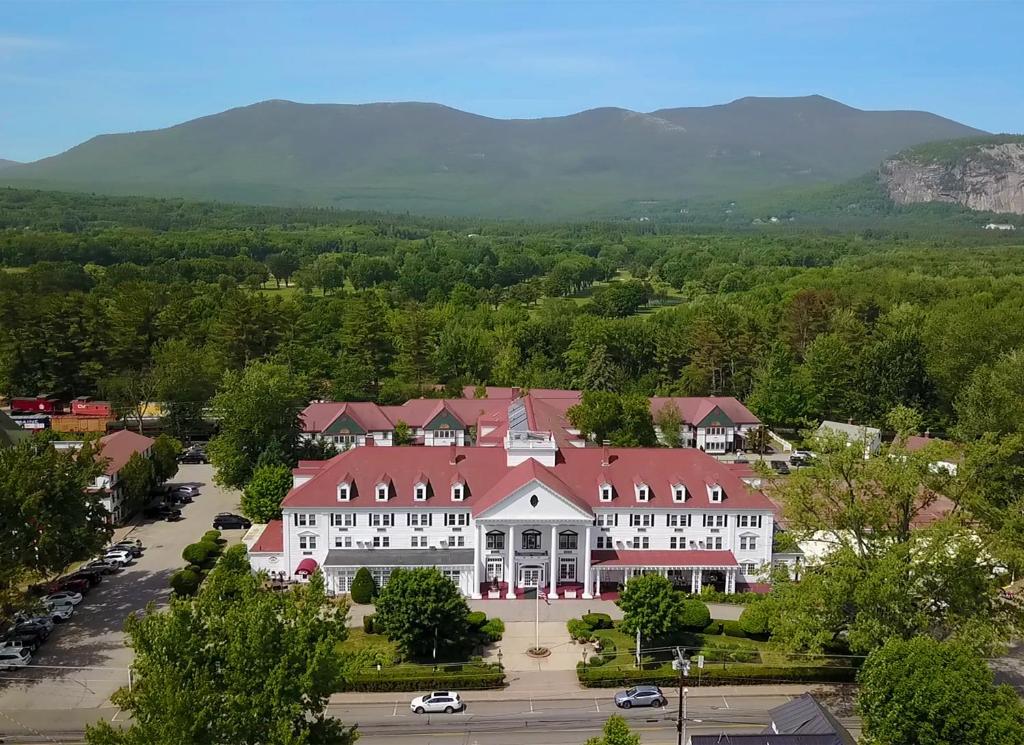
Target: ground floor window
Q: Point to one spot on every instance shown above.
(455, 575)
(495, 570)
(567, 570)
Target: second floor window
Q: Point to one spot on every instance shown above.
(495, 541)
(642, 541)
(302, 520)
(567, 541)
(531, 540)
(378, 520)
(420, 519)
(343, 519)
(381, 541)
(307, 542)
(456, 518)
(604, 541)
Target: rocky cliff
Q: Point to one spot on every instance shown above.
(981, 175)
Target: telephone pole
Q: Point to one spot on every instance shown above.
(681, 664)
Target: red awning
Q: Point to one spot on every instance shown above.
(306, 566)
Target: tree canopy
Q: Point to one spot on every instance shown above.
(423, 612)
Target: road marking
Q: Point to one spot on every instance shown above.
(725, 702)
(395, 712)
(116, 715)
(531, 704)
(597, 706)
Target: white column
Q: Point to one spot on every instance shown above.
(510, 570)
(478, 549)
(693, 581)
(587, 587)
(553, 593)
(730, 581)
(597, 582)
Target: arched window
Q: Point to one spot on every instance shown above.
(495, 540)
(531, 540)
(567, 540)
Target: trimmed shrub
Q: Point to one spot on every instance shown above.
(476, 619)
(185, 583)
(713, 628)
(213, 536)
(493, 630)
(711, 595)
(612, 677)
(694, 615)
(598, 620)
(193, 568)
(578, 629)
(368, 623)
(446, 677)
(196, 553)
(733, 628)
(755, 621)
(212, 547)
(364, 589)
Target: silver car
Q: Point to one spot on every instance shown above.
(438, 701)
(640, 696)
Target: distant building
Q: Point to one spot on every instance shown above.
(10, 433)
(116, 450)
(802, 721)
(948, 464)
(1000, 226)
(854, 434)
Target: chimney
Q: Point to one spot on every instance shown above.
(451, 454)
(605, 457)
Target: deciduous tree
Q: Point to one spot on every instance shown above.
(651, 605)
(262, 496)
(423, 612)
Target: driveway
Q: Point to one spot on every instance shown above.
(85, 660)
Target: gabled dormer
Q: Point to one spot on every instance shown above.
(642, 490)
(420, 488)
(605, 490)
(346, 488)
(715, 493)
(382, 489)
(679, 493)
(459, 490)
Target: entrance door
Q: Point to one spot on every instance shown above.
(531, 576)
(494, 570)
(567, 570)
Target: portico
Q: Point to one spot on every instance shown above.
(690, 570)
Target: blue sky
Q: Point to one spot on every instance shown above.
(71, 70)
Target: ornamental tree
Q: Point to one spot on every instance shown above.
(262, 496)
(925, 692)
(615, 732)
(258, 666)
(423, 612)
(164, 454)
(651, 604)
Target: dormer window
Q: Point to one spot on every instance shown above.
(419, 492)
(678, 493)
(643, 493)
(382, 492)
(458, 492)
(606, 493)
(714, 493)
(344, 491)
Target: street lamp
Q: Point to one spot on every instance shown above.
(681, 664)
(500, 666)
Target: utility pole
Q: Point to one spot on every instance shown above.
(681, 664)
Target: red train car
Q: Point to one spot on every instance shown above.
(85, 406)
(41, 404)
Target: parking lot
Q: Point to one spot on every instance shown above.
(85, 659)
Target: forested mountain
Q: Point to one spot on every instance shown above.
(432, 159)
(4, 163)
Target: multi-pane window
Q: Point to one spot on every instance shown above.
(531, 540)
(716, 521)
(678, 493)
(677, 542)
(748, 543)
(567, 541)
(382, 492)
(382, 520)
(458, 492)
(344, 440)
(716, 431)
(604, 541)
(343, 541)
(420, 519)
(641, 541)
(607, 520)
(303, 520)
(457, 540)
(419, 541)
(642, 494)
(606, 493)
(495, 541)
(419, 492)
(452, 574)
(715, 542)
(677, 521)
(381, 541)
(748, 521)
(456, 518)
(444, 434)
(307, 542)
(646, 520)
(748, 567)
(343, 519)
(344, 491)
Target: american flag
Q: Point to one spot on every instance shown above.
(543, 595)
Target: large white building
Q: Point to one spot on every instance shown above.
(499, 521)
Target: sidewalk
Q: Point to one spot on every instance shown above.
(561, 685)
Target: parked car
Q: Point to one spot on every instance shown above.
(12, 658)
(780, 467)
(120, 557)
(179, 498)
(185, 490)
(741, 459)
(193, 456)
(104, 566)
(446, 701)
(59, 613)
(78, 585)
(39, 627)
(24, 638)
(640, 696)
(129, 546)
(163, 512)
(92, 576)
(64, 597)
(228, 520)
(26, 619)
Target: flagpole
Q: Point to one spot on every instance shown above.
(536, 624)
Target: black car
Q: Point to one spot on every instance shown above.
(193, 456)
(38, 628)
(230, 521)
(179, 498)
(162, 512)
(780, 467)
(28, 637)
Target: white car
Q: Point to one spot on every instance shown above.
(11, 658)
(59, 612)
(118, 557)
(446, 701)
(64, 597)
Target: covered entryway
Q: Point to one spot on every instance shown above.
(531, 576)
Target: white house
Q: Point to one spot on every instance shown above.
(500, 521)
(116, 449)
(870, 438)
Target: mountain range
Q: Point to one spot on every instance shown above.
(432, 159)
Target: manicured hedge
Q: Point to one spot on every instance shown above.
(476, 619)
(579, 629)
(213, 536)
(605, 677)
(733, 628)
(363, 587)
(598, 620)
(493, 630)
(695, 615)
(196, 553)
(447, 677)
(368, 623)
(185, 583)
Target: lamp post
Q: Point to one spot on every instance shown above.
(681, 664)
(500, 666)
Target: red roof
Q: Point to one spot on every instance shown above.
(271, 540)
(118, 448)
(488, 478)
(664, 558)
(306, 566)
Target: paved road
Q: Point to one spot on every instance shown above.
(86, 660)
(493, 722)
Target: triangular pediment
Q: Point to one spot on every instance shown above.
(536, 500)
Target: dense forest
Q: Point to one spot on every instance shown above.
(157, 299)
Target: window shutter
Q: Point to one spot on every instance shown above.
(759, 521)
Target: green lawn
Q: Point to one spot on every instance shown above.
(358, 641)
